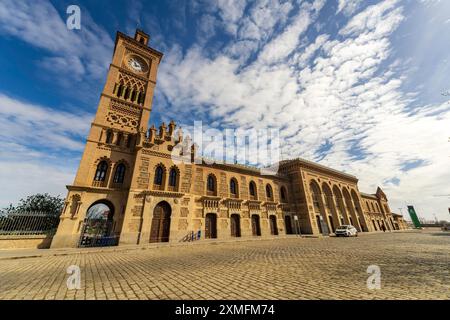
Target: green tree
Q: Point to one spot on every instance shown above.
(39, 203)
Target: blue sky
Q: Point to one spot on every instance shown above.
(355, 85)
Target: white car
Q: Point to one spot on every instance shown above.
(346, 231)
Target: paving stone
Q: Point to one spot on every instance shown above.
(414, 265)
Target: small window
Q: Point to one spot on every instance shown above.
(100, 173)
(233, 187)
(269, 191)
(173, 177)
(252, 189)
(120, 173)
(211, 185)
(159, 172)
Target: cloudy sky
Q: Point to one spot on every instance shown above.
(361, 86)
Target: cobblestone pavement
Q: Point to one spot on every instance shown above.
(414, 265)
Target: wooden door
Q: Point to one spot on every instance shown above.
(273, 225)
(211, 226)
(160, 228)
(256, 227)
(235, 226)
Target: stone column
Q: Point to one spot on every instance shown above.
(323, 213)
(334, 212)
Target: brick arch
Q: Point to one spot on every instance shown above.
(103, 158)
(214, 177)
(164, 176)
(233, 178)
(255, 187)
(178, 177)
(268, 187)
(286, 197)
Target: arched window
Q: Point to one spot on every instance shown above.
(283, 194)
(173, 177)
(252, 189)
(159, 173)
(100, 173)
(269, 192)
(233, 187)
(120, 173)
(120, 90)
(211, 183)
(127, 93)
(315, 194)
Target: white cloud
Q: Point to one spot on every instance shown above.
(348, 7)
(31, 124)
(340, 97)
(36, 141)
(80, 53)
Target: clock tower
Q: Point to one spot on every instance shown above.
(122, 117)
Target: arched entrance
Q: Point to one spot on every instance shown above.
(160, 228)
(273, 225)
(211, 226)
(235, 225)
(98, 226)
(256, 227)
(288, 224)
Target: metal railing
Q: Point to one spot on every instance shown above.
(98, 241)
(192, 236)
(28, 223)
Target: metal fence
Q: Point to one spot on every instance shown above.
(98, 241)
(28, 223)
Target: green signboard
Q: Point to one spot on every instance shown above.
(413, 215)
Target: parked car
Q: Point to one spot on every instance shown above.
(346, 231)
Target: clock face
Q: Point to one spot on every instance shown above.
(136, 63)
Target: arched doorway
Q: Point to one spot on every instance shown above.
(273, 225)
(256, 227)
(288, 224)
(211, 226)
(160, 228)
(235, 225)
(98, 226)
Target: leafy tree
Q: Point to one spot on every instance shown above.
(39, 203)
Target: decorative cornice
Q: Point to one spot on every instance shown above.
(95, 189)
(167, 194)
(253, 201)
(202, 198)
(155, 153)
(135, 105)
(302, 163)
